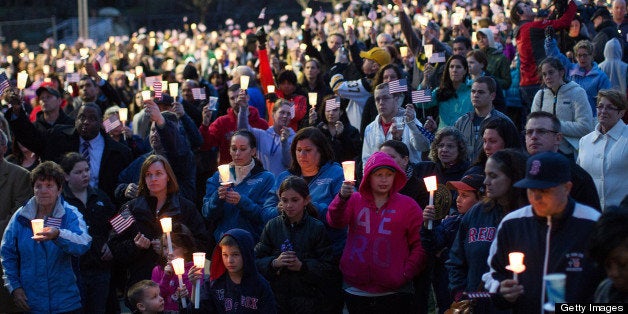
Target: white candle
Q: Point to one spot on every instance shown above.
(428, 50)
(199, 262)
(179, 268)
(270, 88)
(431, 186)
(145, 95)
(46, 69)
(312, 97)
(404, 51)
(225, 174)
(244, 82)
(38, 225)
(174, 89)
(139, 71)
(124, 114)
(348, 168)
(516, 263)
(166, 226)
(22, 77)
(69, 66)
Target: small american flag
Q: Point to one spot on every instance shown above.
(4, 82)
(320, 16)
(398, 86)
(73, 77)
(150, 81)
(53, 222)
(331, 104)
(199, 93)
(101, 57)
(157, 89)
(437, 57)
(262, 15)
(111, 123)
(122, 221)
(419, 96)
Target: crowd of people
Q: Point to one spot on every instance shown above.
(242, 138)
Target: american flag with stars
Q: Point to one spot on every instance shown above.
(398, 86)
(199, 93)
(4, 82)
(122, 221)
(423, 95)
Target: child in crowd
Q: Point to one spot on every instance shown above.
(294, 252)
(182, 247)
(438, 240)
(144, 298)
(383, 251)
(235, 285)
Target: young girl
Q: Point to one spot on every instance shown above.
(294, 252)
(383, 250)
(438, 241)
(182, 247)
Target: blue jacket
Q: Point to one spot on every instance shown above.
(323, 188)
(249, 214)
(252, 295)
(468, 253)
(44, 268)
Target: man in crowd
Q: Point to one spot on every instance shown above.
(542, 134)
(470, 124)
(528, 229)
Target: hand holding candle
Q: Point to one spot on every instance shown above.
(179, 268)
(516, 263)
(166, 226)
(431, 186)
(199, 262)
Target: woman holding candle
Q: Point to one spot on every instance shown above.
(38, 268)
(468, 254)
(139, 245)
(239, 204)
(294, 252)
(313, 81)
(344, 138)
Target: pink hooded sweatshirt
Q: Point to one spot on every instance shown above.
(383, 250)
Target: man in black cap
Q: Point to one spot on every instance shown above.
(51, 114)
(605, 30)
(552, 233)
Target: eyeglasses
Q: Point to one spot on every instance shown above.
(541, 132)
(607, 108)
(583, 55)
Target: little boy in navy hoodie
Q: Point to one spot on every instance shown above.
(235, 285)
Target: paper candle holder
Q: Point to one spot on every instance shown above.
(348, 168)
(166, 224)
(244, 82)
(124, 114)
(270, 89)
(430, 183)
(22, 78)
(146, 95)
(312, 98)
(38, 226)
(173, 88)
(199, 259)
(225, 174)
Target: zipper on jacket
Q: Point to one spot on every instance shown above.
(546, 260)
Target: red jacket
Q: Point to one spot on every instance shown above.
(219, 132)
(383, 250)
(530, 33)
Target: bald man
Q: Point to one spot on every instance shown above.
(620, 18)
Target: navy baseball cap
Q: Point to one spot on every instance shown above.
(545, 170)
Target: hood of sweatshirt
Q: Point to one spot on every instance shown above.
(378, 160)
(489, 34)
(246, 245)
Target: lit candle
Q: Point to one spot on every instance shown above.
(270, 88)
(174, 89)
(244, 82)
(431, 186)
(428, 50)
(348, 168)
(139, 71)
(22, 77)
(145, 95)
(46, 69)
(404, 51)
(84, 52)
(225, 174)
(178, 264)
(312, 97)
(69, 66)
(124, 114)
(38, 225)
(516, 263)
(199, 262)
(166, 226)
(308, 11)
(31, 56)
